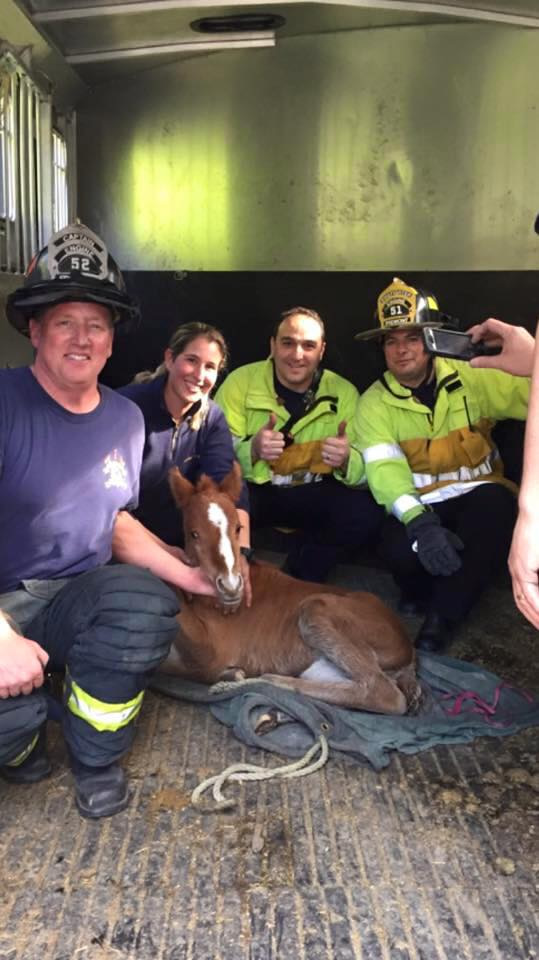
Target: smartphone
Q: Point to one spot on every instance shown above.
(455, 344)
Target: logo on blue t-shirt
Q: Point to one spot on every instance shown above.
(115, 471)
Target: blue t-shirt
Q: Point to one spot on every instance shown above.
(208, 450)
(63, 478)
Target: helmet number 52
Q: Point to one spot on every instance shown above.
(80, 263)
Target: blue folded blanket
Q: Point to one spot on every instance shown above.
(462, 701)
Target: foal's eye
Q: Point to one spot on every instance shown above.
(238, 529)
(195, 535)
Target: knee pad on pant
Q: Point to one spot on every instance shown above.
(20, 719)
(134, 619)
(120, 617)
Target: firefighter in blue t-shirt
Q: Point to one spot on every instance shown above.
(70, 457)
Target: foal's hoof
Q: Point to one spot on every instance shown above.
(415, 701)
(270, 721)
(231, 675)
(265, 723)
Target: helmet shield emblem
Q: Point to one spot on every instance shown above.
(74, 265)
(75, 251)
(400, 306)
(397, 305)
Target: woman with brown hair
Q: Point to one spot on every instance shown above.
(184, 428)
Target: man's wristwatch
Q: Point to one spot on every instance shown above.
(248, 553)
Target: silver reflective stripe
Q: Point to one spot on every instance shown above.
(21, 757)
(403, 504)
(296, 479)
(484, 469)
(383, 451)
(461, 475)
(423, 479)
(450, 491)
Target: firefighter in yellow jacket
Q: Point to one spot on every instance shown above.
(293, 427)
(425, 432)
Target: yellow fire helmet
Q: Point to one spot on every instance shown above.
(401, 306)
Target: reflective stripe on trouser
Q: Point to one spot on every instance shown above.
(20, 720)
(100, 715)
(22, 756)
(110, 628)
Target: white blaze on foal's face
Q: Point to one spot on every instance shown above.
(217, 516)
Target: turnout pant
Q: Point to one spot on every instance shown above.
(109, 628)
(483, 519)
(328, 517)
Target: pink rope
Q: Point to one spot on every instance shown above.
(488, 710)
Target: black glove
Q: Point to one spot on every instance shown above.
(436, 547)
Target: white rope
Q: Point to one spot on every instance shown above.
(249, 771)
(226, 686)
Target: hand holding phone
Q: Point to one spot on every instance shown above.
(516, 344)
(456, 345)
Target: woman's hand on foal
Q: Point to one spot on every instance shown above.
(245, 571)
(21, 662)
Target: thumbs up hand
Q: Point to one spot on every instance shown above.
(336, 450)
(268, 443)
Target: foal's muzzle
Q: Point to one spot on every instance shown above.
(228, 597)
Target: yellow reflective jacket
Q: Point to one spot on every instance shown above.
(415, 456)
(247, 397)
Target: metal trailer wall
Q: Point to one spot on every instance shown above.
(392, 149)
(233, 185)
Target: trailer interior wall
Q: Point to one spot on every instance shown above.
(391, 149)
(14, 349)
(232, 185)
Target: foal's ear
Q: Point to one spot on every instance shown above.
(182, 489)
(231, 484)
(206, 484)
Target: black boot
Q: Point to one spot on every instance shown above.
(435, 635)
(308, 562)
(99, 791)
(409, 606)
(36, 767)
